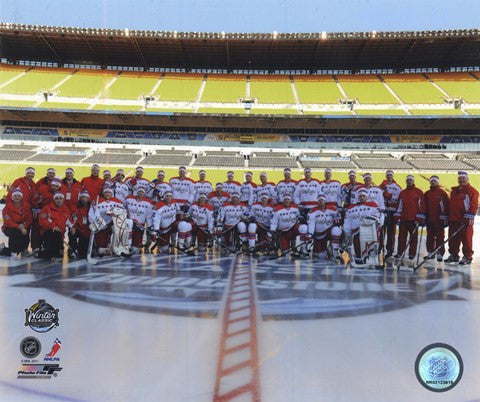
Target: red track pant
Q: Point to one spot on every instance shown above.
(465, 237)
(407, 227)
(435, 237)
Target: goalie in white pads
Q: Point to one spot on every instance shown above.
(361, 227)
(323, 221)
(231, 222)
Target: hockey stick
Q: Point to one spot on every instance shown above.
(90, 258)
(441, 245)
(70, 249)
(400, 260)
(291, 249)
(419, 245)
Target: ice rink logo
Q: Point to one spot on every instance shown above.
(55, 348)
(41, 317)
(439, 367)
(30, 347)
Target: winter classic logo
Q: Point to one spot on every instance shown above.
(41, 317)
(439, 367)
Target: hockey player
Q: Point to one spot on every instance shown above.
(93, 184)
(140, 211)
(346, 191)
(248, 193)
(266, 187)
(323, 221)
(231, 221)
(436, 207)
(202, 186)
(218, 199)
(79, 241)
(120, 189)
(260, 219)
(361, 228)
(71, 188)
(183, 188)
(160, 186)
(285, 186)
(410, 214)
(331, 189)
(202, 221)
(101, 220)
(391, 191)
(307, 191)
(134, 183)
(462, 211)
(53, 221)
(231, 186)
(17, 219)
(374, 193)
(25, 184)
(166, 224)
(107, 178)
(285, 225)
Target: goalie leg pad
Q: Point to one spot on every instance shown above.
(184, 234)
(252, 234)
(336, 235)
(242, 231)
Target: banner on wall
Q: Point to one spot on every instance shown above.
(256, 137)
(89, 133)
(429, 139)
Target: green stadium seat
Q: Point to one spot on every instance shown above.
(179, 87)
(366, 88)
(413, 88)
(36, 80)
(458, 85)
(271, 89)
(224, 88)
(86, 83)
(319, 89)
(132, 85)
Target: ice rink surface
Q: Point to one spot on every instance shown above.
(220, 327)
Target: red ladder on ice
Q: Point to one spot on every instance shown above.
(237, 367)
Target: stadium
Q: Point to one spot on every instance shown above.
(368, 102)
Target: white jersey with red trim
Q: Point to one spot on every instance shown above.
(202, 187)
(140, 211)
(160, 189)
(320, 220)
(306, 193)
(262, 214)
(391, 192)
(231, 214)
(285, 187)
(121, 190)
(102, 208)
(248, 192)
(284, 218)
(346, 193)
(269, 188)
(202, 215)
(183, 190)
(165, 215)
(232, 187)
(134, 184)
(355, 214)
(218, 201)
(331, 190)
(374, 194)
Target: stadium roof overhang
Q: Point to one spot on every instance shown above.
(141, 120)
(351, 51)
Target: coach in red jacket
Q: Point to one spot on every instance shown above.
(71, 188)
(437, 205)
(79, 241)
(93, 184)
(463, 208)
(25, 184)
(17, 219)
(410, 211)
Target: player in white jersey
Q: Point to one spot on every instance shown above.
(307, 191)
(231, 221)
(202, 186)
(374, 193)
(160, 186)
(201, 214)
(134, 183)
(248, 190)
(183, 188)
(286, 186)
(331, 189)
(285, 225)
(101, 220)
(107, 178)
(323, 226)
(120, 188)
(266, 187)
(260, 219)
(140, 211)
(361, 228)
(217, 199)
(167, 221)
(346, 191)
(231, 186)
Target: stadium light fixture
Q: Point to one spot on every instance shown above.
(323, 35)
(275, 34)
(374, 34)
(127, 32)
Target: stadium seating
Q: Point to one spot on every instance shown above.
(127, 108)
(272, 162)
(179, 87)
(372, 155)
(381, 163)
(439, 164)
(86, 83)
(16, 103)
(64, 105)
(219, 110)
(167, 160)
(61, 148)
(435, 112)
(121, 150)
(59, 158)
(15, 155)
(458, 85)
(221, 153)
(132, 85)
(320, 89)
(255, 110)
(20, 147)
(36, 80)
(426, 156)
(324, 164)
(230, 161)
(9, 72)
(413, 88)
(272, 154)
(383, 112)
(271, 89)
(112, 159)
(171, 152)
(224, 88)
(474, 162)
(365, 88)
